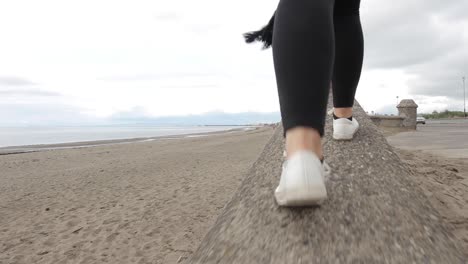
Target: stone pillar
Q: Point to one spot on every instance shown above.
(407, 108)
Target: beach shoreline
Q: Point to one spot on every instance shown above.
(94, 143)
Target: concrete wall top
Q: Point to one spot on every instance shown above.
(374, 213)
(386, 117)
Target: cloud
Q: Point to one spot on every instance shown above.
(155, 76)
(142, 51)
(442, 77)
(387, 110)
(14, 81)
(168, 16)
(140, 115)
(403, 33)
(203, 29)
(28, 92)
(133, 113)
(41, 114)
(427, 39)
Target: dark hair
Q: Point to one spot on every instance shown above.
(264, 35)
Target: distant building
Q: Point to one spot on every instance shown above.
(407, 113)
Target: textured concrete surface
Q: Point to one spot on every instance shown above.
(374, 213)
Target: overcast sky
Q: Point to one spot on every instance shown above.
(81, 60)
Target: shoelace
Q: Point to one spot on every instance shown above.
(325, 166)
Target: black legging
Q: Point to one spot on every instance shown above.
(316, 42)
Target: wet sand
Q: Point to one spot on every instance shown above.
(140, 202)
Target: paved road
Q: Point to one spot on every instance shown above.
(448, 138)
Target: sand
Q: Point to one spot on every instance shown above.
(436, 155)
(433, 154)
(141, 202)
(445, 183)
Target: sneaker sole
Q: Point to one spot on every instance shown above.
(307, 196)
(342, 136)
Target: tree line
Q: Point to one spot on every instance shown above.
(444, 114)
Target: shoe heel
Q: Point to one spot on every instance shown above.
(302, 181)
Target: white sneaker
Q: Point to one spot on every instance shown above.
(343, 128)
(302, 180)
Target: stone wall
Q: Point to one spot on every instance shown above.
(408, 109)
(387, 121)
(407, 113)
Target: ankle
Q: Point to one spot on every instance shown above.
(337, 117)
(343, 112)
(303, 138)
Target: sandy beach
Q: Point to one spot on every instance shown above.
(153, 201)
(141, 202)
(436, 154)
(445, 183)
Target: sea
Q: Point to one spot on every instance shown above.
(26, 136)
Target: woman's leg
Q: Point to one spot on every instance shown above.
(303, 53)
(349, 52)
